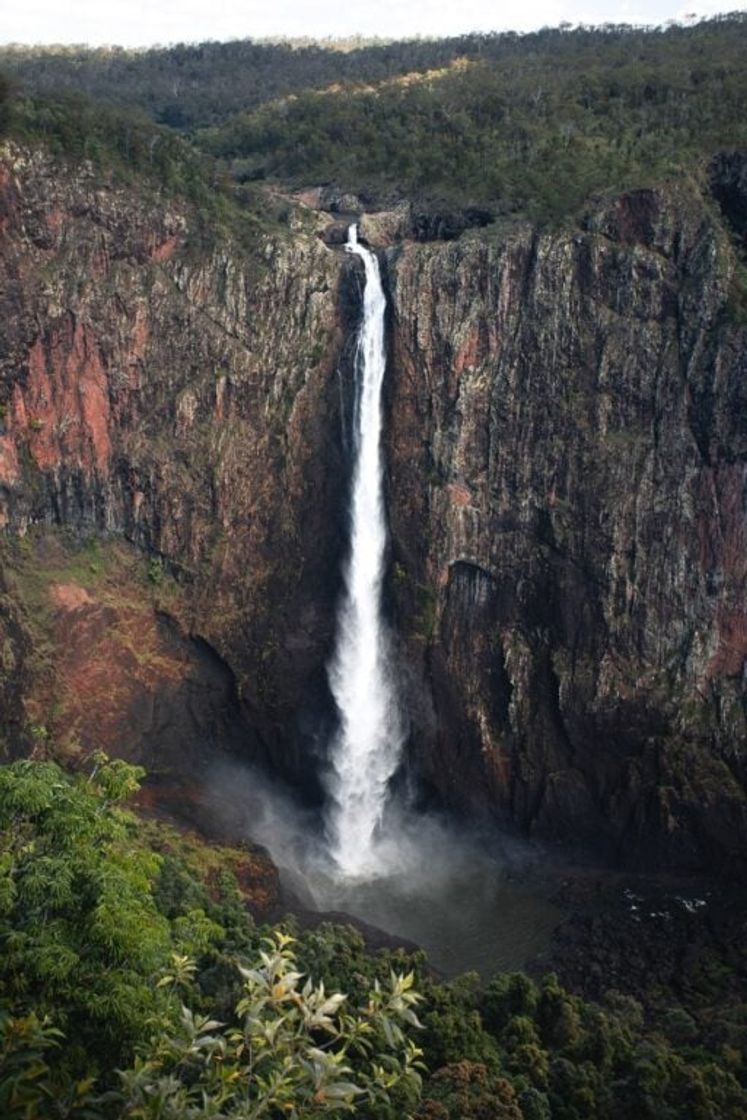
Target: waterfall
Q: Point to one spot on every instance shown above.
(366, 749)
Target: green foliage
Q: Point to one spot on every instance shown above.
(124, 145)
(155, 571)
(338, 954)
(191, 86)
(513, 124)
(513, 128)
(469, 1089)
(453, 1026)
(6, 103)
(104, 941)
(507, 995)
(24, 1043)
(297, 1050)
(73, 126)
(81, 936)
(549, 1055)
(125, 946)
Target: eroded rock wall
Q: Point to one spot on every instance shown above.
(568, 457)
(161, 382)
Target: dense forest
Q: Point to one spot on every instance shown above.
(133, 983)
(528, 125)
(535, 131)
(191, 86)
(127, 146)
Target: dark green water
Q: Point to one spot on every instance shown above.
(475, 915)
(472, 902)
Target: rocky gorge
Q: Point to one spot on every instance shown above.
(566, 488)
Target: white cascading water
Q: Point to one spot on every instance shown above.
(366, 750)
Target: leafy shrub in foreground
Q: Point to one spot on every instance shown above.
(296, 1051)
(93, 975)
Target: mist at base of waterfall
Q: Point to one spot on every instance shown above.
(469, 910)
(471, 901)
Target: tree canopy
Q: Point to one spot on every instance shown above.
(528, 124)
(131, 987)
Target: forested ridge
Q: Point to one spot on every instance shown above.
(534, 131)
(523, 124)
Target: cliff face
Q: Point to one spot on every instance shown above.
(158, 382)
(568, 454)
(566, 447)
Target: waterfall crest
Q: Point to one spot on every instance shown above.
(366, 749)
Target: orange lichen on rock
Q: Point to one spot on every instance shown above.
(468, 354)
(69, 596)
(9, 472)
(164, 250)
(459, 494)
(54, 219)
(64, 407)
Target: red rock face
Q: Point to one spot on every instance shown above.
(63, 409)
(114, 666)
(188, 400)
(9, 471)
(722, 540)
(112, 672)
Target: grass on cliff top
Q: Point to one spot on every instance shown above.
(44, 557)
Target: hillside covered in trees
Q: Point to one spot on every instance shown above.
(133, 983)
(527, 125)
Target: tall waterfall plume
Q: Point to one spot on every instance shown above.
(367, 748)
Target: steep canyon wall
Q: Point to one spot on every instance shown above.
(569, 487)
(162, 383)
